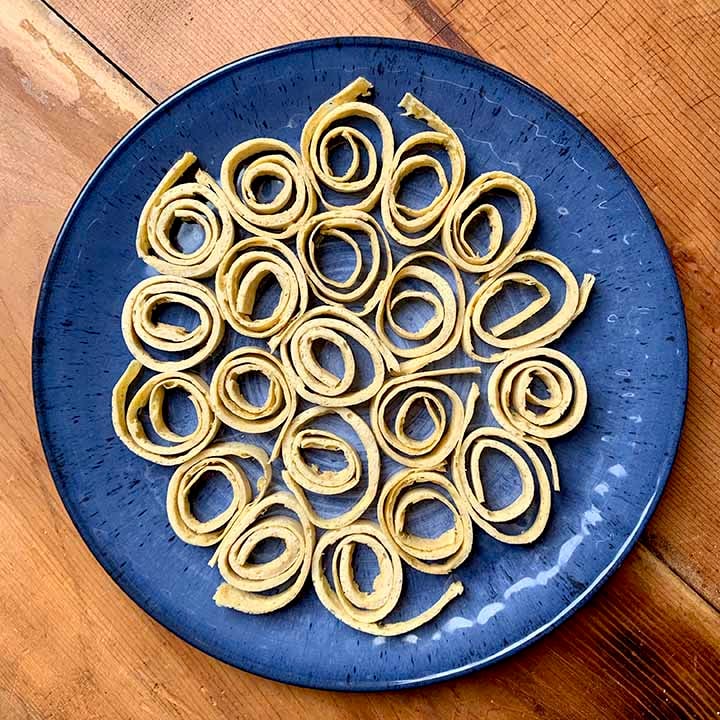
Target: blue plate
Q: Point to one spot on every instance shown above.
(631, 344)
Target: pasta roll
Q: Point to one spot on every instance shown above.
(399, 396)
(150, 396)
(261, 159)
(416, 226)
(216, 458)
(574, 303)
(235, 410)
(525, 455)
(364, 288)
(469, 208)
(187, 202)
(516, 405)
(366, 611)
(321, 133)
(314, 382)
(301, 476)
(140, 329)
(435, 555)
(440, 334)
(238, 280)
(247, 583)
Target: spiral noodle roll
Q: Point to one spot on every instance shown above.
(525, 455)
(411, 390)
(140, 329)
(261, 159)
(217, 458)
(235, 410)
(238, 281)
(574, 303)
(440, 334)
(468, 209)
(150, 396)
(321, 134)
(187, 202)
(416, 226)
(366, 611)
(301, 476)
(328, 324)
(512, 399)
(435, 555)
(247, 583)
(360, 286)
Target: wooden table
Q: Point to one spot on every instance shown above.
(76, 74)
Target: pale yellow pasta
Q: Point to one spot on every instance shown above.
(517, 406)
(468, 209)
(410, 390)
(574, 303)
(248, 583)
(235, 410)
(437, 555)
(238, 280)
(302, 477)
(416, 226)
(262, 159)
(322, 132)
(151, 397)
(218, 458)
(420, 315)
(191, 202)
(525, 455)
(367, 611)
(440, 334)
(362, 286)
(315, 383)
(141, 329)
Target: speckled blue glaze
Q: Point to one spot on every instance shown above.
(631, 344)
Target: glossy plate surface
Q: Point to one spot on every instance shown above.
(630, 343)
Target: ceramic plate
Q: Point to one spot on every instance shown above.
(630, 343)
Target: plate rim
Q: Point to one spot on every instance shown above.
(290, 676)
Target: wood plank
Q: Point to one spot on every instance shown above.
(644, 78)
(74, 647)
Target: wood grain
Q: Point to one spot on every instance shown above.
(74, 647)
(642, 76)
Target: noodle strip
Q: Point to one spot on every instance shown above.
(190, 202)
(151, 397)
(140, 328)
(367, 611)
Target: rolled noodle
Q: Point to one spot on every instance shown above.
(440, 334)
(574, 303)
(238, 281)
(322, 133)
(218, 458)
(525, 455)
(416, 226)
(518, 407)
(248, 584)
(411, 390)
(150, 397)
(468, 209)
(367, 611)
(435, 555)
(191, 202)
(262, 159)
(301, 476)
(235, 410)
(328, 324)
(366, 281)
(140, 327)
